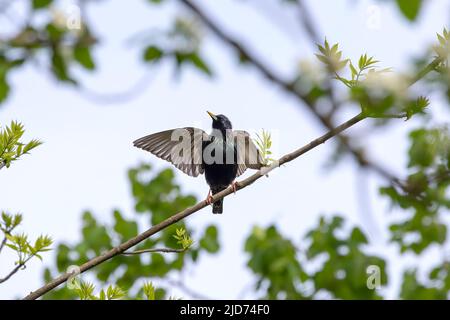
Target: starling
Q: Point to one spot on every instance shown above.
(222, 155)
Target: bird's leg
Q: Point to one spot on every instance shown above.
(234, 186)
(209, 198)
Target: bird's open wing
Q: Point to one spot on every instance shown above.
(248, 155)
(182, 147)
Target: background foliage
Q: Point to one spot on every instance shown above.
(334, 257)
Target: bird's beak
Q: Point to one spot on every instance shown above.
(212, 115)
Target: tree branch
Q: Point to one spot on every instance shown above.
(2, 164)
(306, 20)
(133, 92)
(2, 244)
(13, 271)
(21, 265)
(164, 250)
(422, 73)
(392, 116)
(187, 212)
(182, 286)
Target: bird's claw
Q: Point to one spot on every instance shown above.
(209, 198)
(234, 186)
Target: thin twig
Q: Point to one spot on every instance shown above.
(164, 250)
(3, 243)
(430, 67)
(21, 265)
(182, 286)
(187, 212)
(306, 20)
(391, 116)
(131, 93)
(13, 271)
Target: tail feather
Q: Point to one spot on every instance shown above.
(218, 206)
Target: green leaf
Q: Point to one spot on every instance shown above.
(198, 62)
(358, 237)
(412, 288)
(12, 246)
(114, 293)
(410, 8)
(40, 4)
(362, 61)
(210, 241)
(4, 88)
(153, 53)
(55, 33)
(127, 229)
(322, 58)
(353, 70)
(42, 243)
(331, 57)
(82, 55)
(422, 151)
(86, 291)
(264, 143)
(273, 259)
(11, 238)
(59, 67)
(334, 48)
(31, 145)
(149, 291)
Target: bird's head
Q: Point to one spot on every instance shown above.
(220, 122)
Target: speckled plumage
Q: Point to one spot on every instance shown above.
(221, 174)
(222, 155)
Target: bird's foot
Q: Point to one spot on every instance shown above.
(209, 198)
(234, 186)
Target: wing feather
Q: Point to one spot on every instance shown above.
(168, 145)
(248, 155)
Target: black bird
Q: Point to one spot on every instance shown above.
(222, 155)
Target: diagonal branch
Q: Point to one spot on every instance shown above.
(21, 265)
(247, 56)
(182, 286)
(187, 212)
(153, 250)
(2, 244)
(306, 20)
(13, 272)
(130, 93)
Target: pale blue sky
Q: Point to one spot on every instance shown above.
(88, 149)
